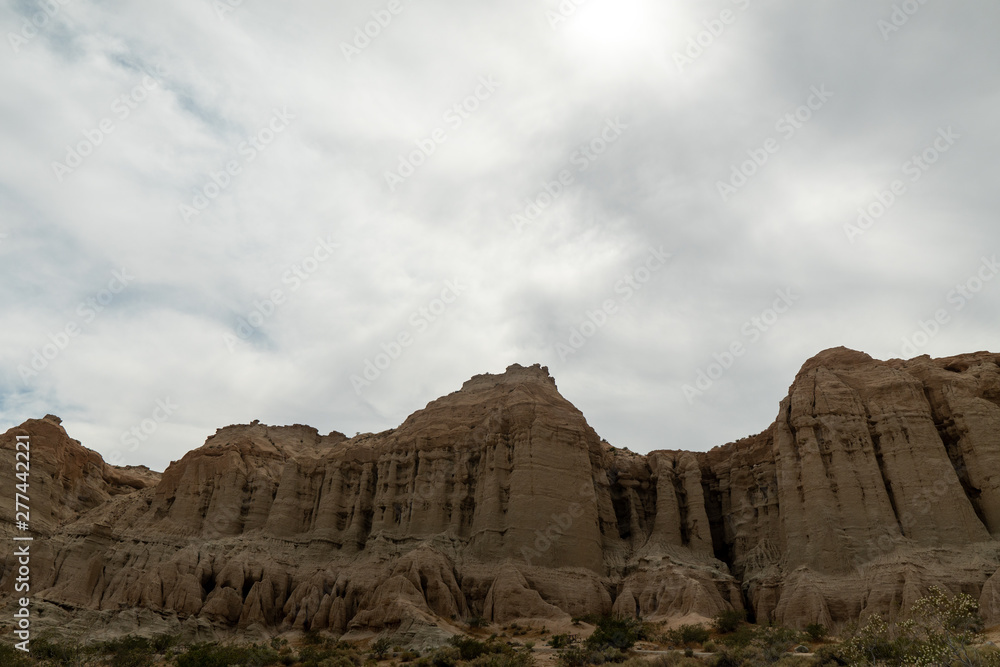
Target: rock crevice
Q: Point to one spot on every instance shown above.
(876, 480)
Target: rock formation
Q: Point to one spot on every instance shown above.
(876, 480)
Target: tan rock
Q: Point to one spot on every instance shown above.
(876, 481)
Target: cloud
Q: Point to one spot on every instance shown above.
(175, 106)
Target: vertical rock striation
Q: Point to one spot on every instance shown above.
(876, 480)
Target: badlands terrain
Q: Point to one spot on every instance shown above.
(876, 480)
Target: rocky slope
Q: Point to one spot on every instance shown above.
(876, 480)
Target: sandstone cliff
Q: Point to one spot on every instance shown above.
(876, 480)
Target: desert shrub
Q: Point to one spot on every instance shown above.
(127, 651)
(312, 638)
(728, 620)
(816, 631)
(562, 640)
(794, 661)
(830, 656)
(588, 655)
(942, 631)
(774, 641)
(334, 661)
(516, 630)
(12, 657)
(505, 659)
(686, 635)
(750, 645)
(709, 647)
(477, 622)
(729, 657)
(617, 633)
(446, 656)
(380, 647)
(47, 649)
(666, 660)
(407, 656)
(326, 654)
(635, 662)
(218, 655)
(163, 643)
(468, 648)
(738, 638)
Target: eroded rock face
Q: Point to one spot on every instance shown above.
(877, 480)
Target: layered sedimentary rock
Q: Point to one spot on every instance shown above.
(876, 480)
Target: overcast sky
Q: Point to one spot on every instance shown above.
(211, 214)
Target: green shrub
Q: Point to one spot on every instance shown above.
(740, 637)
(505, 659)
(589, 655)
(562, 641)
(774, 641)
(334, 661)
(816, 631)
(326, 654)
(218, 655)
(728, 620)
(44, 648)
(666, 660)
(163, 643)
(830, 656)
(446, 656)
(617, 633)
(686, 635)
(380, 647)
(468, 648)
(478, 622)
(127, 651)
(12, 657)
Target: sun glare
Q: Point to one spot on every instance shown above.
(613, 24)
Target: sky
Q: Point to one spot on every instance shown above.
(213, 212)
